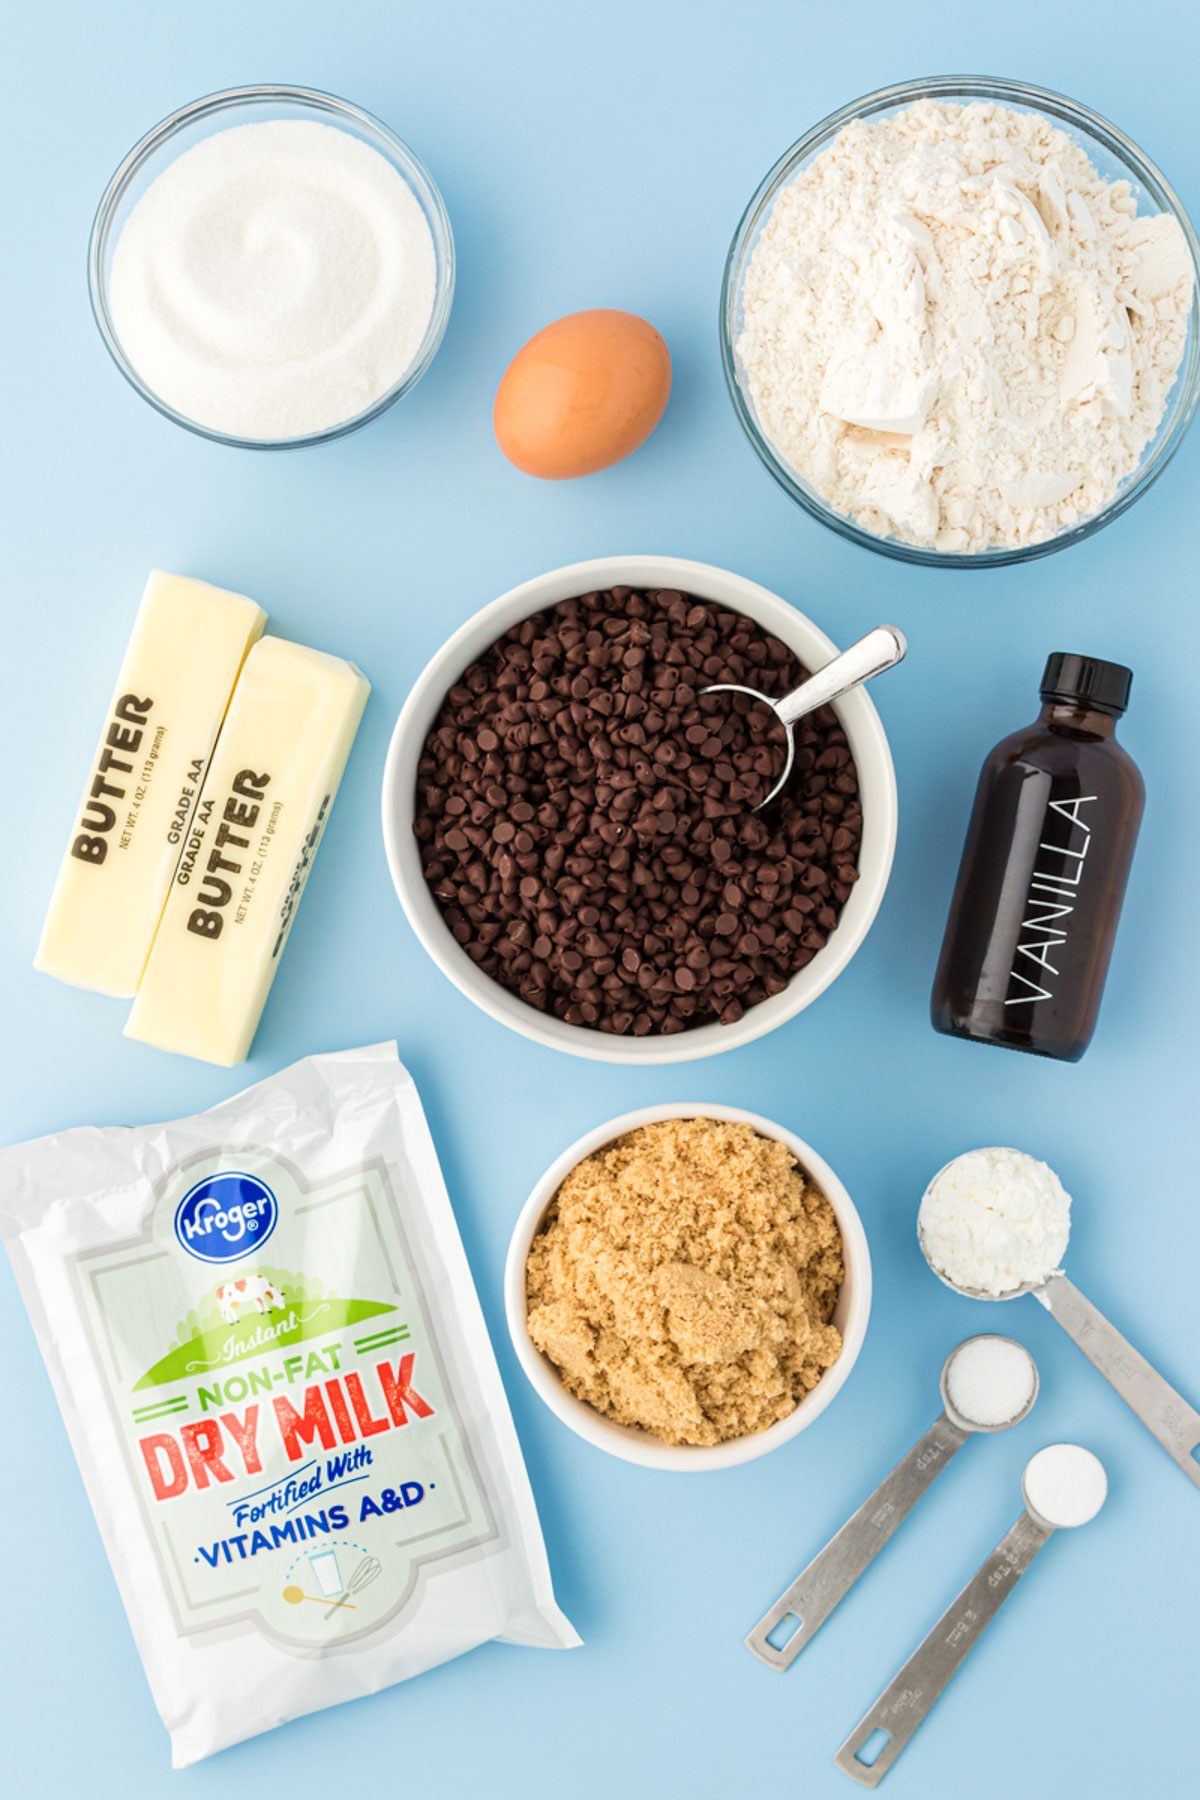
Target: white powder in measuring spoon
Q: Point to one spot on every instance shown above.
(993, 1220)
(990, 1380)
(276, 280)
(1065, 1484)
(958, 331)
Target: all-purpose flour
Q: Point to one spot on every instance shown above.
(957, 331)
(274, 281)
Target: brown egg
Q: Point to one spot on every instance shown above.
(582, 394)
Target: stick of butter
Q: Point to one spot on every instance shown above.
(265, 803)
(189, 642)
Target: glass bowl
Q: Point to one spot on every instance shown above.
(1113, 155)
(245, 106)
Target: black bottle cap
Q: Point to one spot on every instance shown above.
(1087, 680)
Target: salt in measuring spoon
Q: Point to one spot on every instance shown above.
(1063, 1485)
(1160, 1407)
(834, 1570)
(881, 649)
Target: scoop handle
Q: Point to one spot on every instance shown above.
(1174, 1422)
(904, 1703)
(881, 649)
(834, 1570)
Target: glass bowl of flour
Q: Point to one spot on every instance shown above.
(271, 267)
(959, 322)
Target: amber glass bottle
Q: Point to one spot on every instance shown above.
(1043, 871)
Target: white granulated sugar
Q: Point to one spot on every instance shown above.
(994, 1219)
(1065, 1484)
(958, 332)
(990, 1380)
(276, 280)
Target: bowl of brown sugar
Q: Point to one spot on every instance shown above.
(570, 819)
(688, 1287)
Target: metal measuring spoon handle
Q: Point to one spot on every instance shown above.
(1174, 1422)
(905, 1701)
(834, 1570)
(881, 649)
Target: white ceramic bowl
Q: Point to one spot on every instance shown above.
(626, 1441)
(860, 721)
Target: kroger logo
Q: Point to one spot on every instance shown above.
(226, 1216)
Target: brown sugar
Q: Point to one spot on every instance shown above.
(684, 1280)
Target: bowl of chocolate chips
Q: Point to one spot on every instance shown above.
(570, 819)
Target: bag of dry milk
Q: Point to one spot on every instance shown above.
(266, 1345)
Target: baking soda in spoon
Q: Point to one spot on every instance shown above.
(994, 1224)
(1065, 1485)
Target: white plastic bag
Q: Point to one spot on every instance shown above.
(265, 1342)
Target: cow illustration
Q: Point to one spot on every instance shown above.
(232, 1294)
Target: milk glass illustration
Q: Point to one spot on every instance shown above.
(329, 1577)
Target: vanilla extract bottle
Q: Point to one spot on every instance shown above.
(1043, 871)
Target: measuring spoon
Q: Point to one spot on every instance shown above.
(1164, 1411)
(834, 1570)
(906, 1700)
(881, 649)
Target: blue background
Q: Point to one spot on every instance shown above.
(602, 156)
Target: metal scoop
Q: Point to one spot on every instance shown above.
(881, 649)
(834, 1570)
(1164, 1411)
(904, 1703)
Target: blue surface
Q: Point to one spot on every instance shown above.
(601, 156)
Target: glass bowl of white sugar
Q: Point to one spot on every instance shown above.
(271, 267)
(959, 322)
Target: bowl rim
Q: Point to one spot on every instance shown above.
(387, 142)
(1078, 118)
(629, 1442)
(858, 716)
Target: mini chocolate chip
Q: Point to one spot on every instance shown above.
(578, 746)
